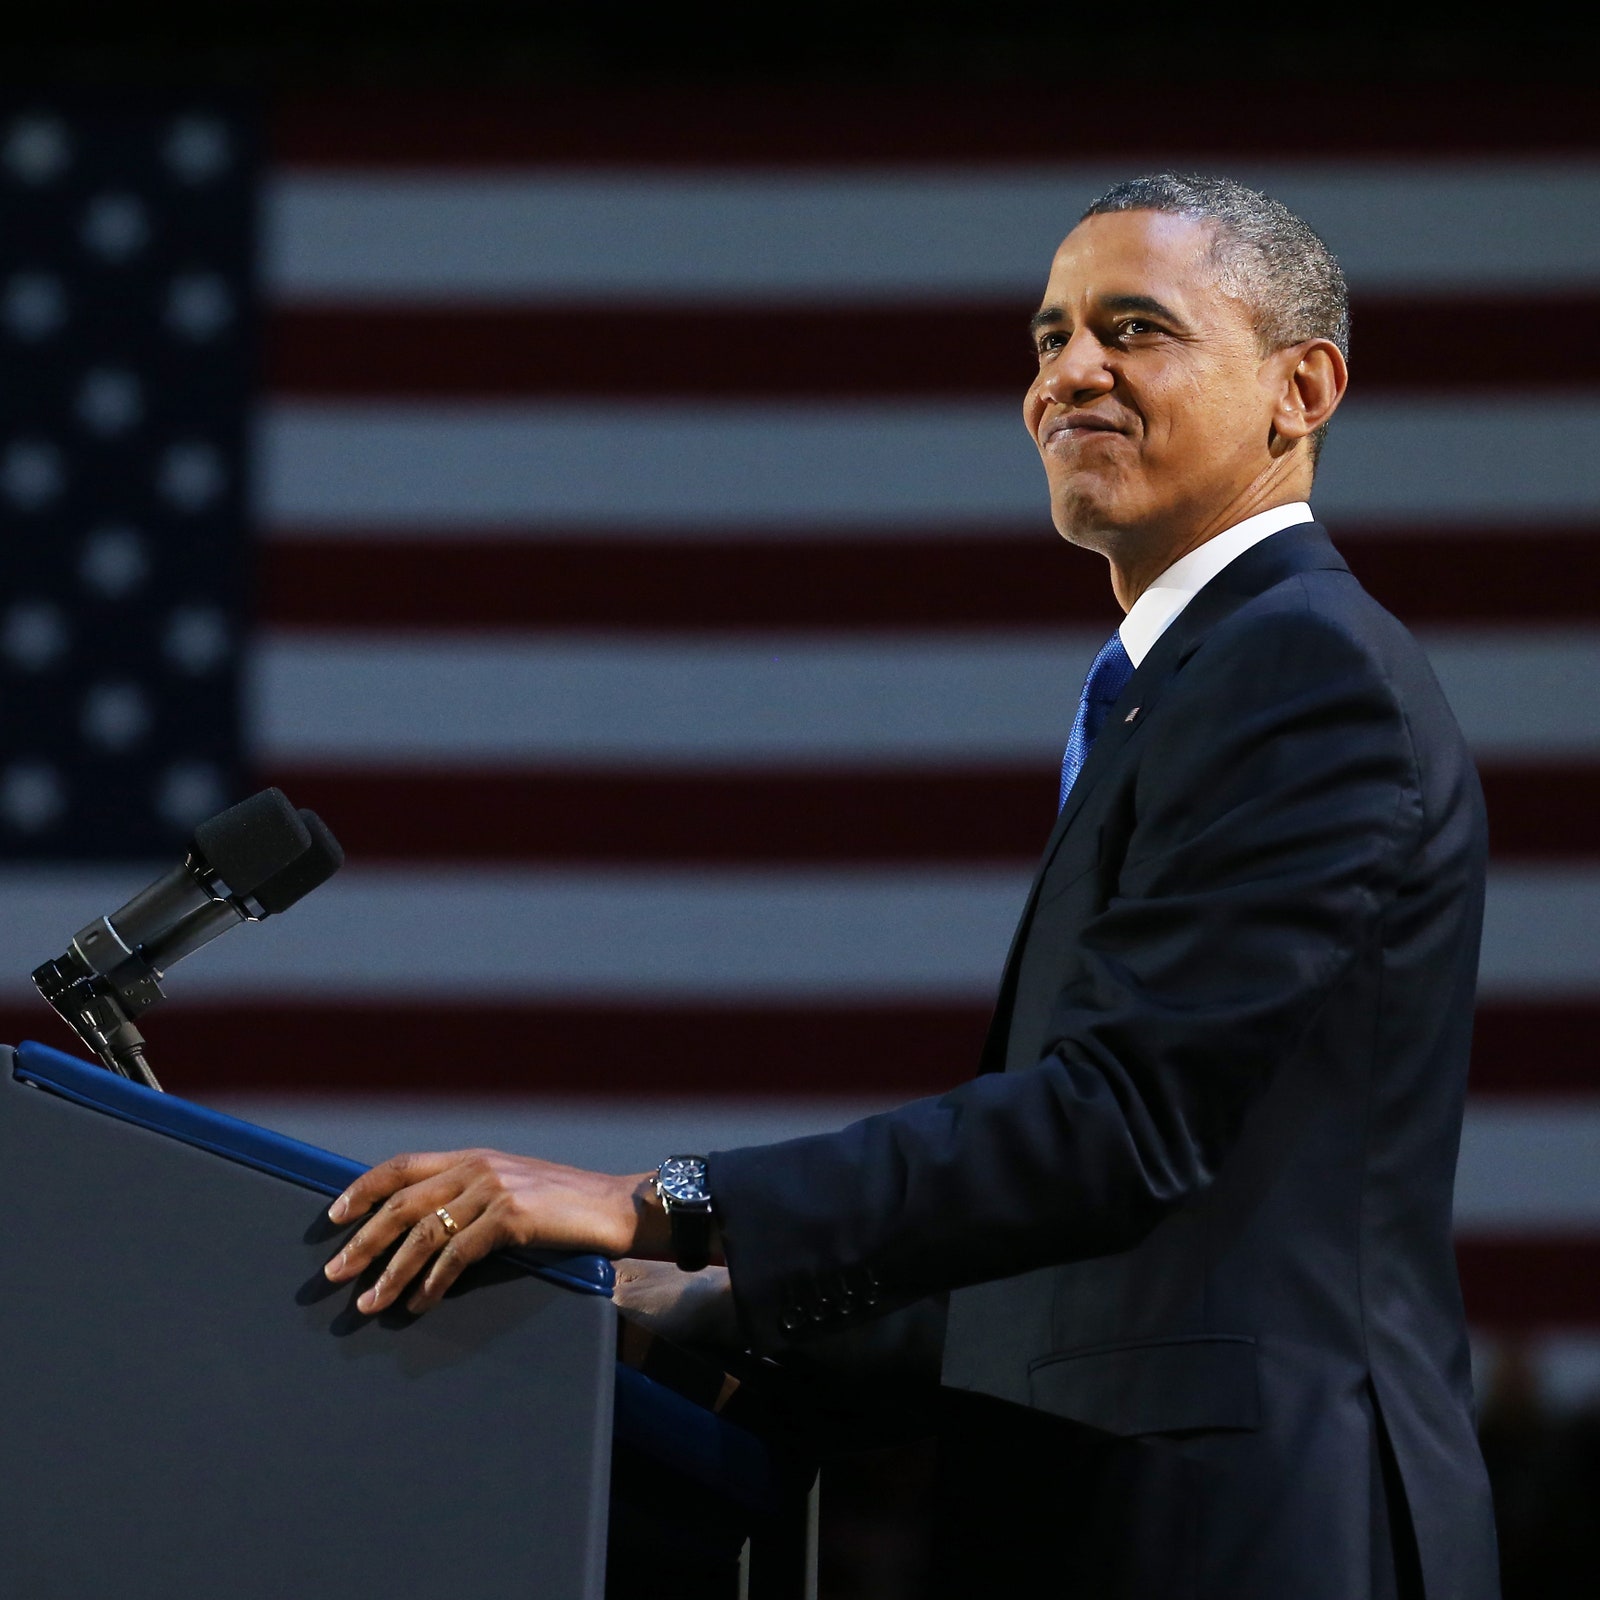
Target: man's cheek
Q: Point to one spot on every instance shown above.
(1032, 410)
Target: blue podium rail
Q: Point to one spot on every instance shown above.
(251, 1146)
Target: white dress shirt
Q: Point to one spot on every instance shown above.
(1161, 604)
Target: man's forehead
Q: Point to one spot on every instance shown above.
(1132, 252)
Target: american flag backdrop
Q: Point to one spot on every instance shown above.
(612, 513)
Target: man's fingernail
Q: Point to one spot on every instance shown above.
(368, 1300)
(336, 1266)
(337, 1210)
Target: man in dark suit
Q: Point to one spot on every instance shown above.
(1192, 1217)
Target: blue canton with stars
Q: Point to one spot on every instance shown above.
(126, 350)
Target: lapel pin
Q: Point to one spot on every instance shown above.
(1131, 715)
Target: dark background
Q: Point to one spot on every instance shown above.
(1072, 73)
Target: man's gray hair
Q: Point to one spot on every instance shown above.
(1265, 256)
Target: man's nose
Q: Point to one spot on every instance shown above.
(1079, 371)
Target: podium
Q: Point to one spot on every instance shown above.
(191, 1410)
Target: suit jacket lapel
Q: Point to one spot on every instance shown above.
(1302, 548)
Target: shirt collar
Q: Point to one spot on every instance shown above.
(1161, 604)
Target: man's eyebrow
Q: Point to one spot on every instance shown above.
(1142, 302)
(1050, 316)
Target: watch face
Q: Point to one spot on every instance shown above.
(683, 1178)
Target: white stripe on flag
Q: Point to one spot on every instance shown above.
(798, 700)
(726, 237)
(1541, 938)
(661, 933)
(1529, 1167)
(681, 935)
(782, 701)
(654, 466)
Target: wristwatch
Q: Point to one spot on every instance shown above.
(681, 1188)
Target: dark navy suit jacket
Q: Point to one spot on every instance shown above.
(1199, 1196)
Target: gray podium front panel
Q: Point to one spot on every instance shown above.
(189, 1410)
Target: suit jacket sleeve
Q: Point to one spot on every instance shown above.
(1275, 802)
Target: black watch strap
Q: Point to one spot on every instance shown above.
(691, 1236)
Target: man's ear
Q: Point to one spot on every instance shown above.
(1314, 378)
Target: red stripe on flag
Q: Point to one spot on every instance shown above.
(986, 816)
(1490, 575)
(1523, 1284)
(858, 580)
(804, 125)
(633, 1049)
(685, 818)
(783, 353)
(465, 1047)
(683, 587)
(849, 352)
(1543, 811)
(1536, 1047)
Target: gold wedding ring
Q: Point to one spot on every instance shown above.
(449, 1222)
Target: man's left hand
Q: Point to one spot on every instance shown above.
(491, 1200)
(690, 1308)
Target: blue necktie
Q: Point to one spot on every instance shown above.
(1108, 677)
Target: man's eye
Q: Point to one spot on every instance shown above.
(1051, 341)
(1135, 326)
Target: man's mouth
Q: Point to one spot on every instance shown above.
(1073, 425)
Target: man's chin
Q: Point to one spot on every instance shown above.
(1086, 519)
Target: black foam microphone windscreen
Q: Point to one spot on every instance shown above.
(249, 843)
(318, 863)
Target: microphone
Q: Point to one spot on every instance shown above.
(246, 863)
